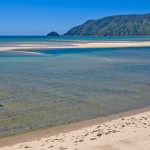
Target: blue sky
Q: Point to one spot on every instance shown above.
(38, 17)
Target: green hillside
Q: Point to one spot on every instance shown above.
(122, 25)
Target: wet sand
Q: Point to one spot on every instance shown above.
(125, 131)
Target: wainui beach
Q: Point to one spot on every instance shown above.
(125, 130)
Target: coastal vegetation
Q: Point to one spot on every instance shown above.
(121, 25)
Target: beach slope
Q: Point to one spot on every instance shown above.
(125, 133)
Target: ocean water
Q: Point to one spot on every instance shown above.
(62, 40)
(61, 86)
(32, 39)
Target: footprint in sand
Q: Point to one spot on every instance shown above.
(126, 145)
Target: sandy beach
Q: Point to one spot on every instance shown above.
(125, 133)
(76, 45)
(113, 44)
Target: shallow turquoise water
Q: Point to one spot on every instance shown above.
(70, 85)
(27, 39)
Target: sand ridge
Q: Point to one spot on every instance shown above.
(89, 44)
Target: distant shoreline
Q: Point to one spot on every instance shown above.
(88, 44)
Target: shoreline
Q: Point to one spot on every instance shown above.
(89, 44)
(66, 129)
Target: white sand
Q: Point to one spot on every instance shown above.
(78, 45)
(128, 133)
(114, 44)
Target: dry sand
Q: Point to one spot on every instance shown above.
(77, 45)
(125, 133)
